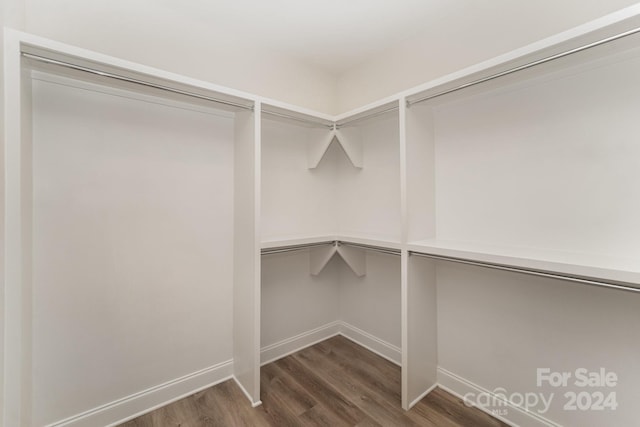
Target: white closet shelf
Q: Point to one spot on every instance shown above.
(285, 241)
(91, 67)
(582, 265)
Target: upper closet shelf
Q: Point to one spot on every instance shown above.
(289, 241)
(622, 272)
(297, 116)
(560, 51)
(71, 62)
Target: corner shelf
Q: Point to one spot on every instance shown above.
(360, 239)
(322, 248)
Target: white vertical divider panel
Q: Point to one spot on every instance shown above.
(17, 233)
(246, 295)
(420, 152)
(404, 322)
(418, 279)
(421, 334)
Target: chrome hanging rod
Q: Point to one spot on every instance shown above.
(366, 116)
(525, 66)
(293, 248)
(333, 125)
(532, 272)
(299, 119)
(134, 81)
(387, 251)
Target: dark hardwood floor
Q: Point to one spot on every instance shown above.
(333, 383)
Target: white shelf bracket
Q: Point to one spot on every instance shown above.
(317, 145)
(351, 142)
(355, 258)
(319, 257)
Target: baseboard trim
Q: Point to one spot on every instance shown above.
(516, 416)
(372, 343)
(134, 405)
(273, 352)
(283, 348)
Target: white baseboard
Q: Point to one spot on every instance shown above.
(372, 343)
(283, 348)
(127, 408)
(514, 416)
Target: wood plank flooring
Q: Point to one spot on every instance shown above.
(333, 383)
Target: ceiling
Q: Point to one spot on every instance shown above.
(336, 35)
(332, 34)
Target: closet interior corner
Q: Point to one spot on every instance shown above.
(469, 230)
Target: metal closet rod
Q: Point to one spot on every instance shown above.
(366, 116)
(532, 272)
(298, 119)
(380, 249)
(525, 66)
(292, 248)
(135, 81)
(333, 125)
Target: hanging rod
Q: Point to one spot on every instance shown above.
(525, 66)
(387, 251)
(298, 119)
(134, 81)
(366, 116)
(533, 272)
(292, 248)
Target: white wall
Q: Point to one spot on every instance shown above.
(372, 302)
(133, 230)
(160, 34)
(477, 34)
(293, 301)
(495, 329)
(296, 200)
(549, 163)
(11, 15)
(369, 198)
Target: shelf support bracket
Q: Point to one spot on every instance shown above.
(350, 140)
(319, 142)
(355, 258)
(320, 256)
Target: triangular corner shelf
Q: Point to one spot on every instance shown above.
(351, 143)
(354, 257)
(320, 140)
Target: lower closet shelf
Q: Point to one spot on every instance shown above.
(590, 269)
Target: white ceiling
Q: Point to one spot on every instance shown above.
(333, 34)
(339, 34)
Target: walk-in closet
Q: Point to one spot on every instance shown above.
(461, 252)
